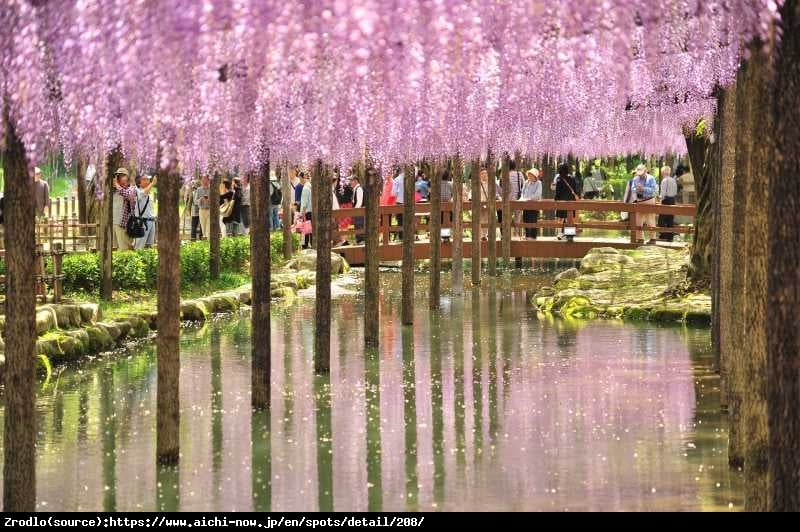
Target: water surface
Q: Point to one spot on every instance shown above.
(482, 406)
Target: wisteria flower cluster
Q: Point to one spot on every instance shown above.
(214, 82)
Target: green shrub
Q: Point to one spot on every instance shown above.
(149, 257)
(128, 271)
(234, 252)
(81, 272)
(195, 267)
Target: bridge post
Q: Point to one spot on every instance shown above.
(457, 231)
(476, 222)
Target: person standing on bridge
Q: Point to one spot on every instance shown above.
(669, 190)
(358, 203)
(644, 190)
(565, 188)
(531, 191)
(305, 206)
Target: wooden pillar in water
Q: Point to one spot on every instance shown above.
(457, 233)
(321, 221)
(288, 219)
(19, 437)
(407, 317)
(372, 198)
(214, 227)
(106, 229)
(505, 228)
(476, 222)
(491, 187)
(260, 270)
(169, 316)
(436, 235)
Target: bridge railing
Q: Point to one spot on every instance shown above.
(634, 224)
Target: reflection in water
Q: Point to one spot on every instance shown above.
(526, 414)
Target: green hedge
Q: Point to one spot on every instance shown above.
(135, 270)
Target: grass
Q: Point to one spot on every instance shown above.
(126, 303)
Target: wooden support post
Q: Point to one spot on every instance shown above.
(372, 220)
(491, 188)
(288, 218)
(214, 225)
(261, 352)
(476, 223)
(323, 195)
(409, 233)
(436, 235)
(505, 228)
(106, 227)
(19, 447)
(58, 283)
(457, 231)
(169, 317)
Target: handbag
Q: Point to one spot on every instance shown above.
(137, 227)
(226, 210)
(304, 227)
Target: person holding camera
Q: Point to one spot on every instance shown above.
(144, 211)
(123, 200)
(200, 197)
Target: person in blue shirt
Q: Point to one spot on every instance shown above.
(644, 188)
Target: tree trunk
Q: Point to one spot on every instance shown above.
(372, 198)
(724, 312)
(783, 299)
(214, 230)
(436, 235)
(288, 198)
(106, 228)
(260, 269)
(705, 169)
(80, 178)
(505, 228)
(169, 316)
(19, 462)
(476, 223)
(755, 347)
(491, 188)
(407, 317)
(739, 300)
(322, 237)
(457, 231)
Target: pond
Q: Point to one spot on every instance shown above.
(483, 406)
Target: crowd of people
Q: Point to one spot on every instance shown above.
(134, 218)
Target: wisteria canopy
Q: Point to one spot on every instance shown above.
(213, 82)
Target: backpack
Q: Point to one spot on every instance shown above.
(276, 196)
(137, 226)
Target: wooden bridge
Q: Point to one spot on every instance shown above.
(543, 247)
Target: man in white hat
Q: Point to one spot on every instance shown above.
(644, 190)
(41, 193)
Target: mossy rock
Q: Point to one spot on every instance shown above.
(194, 311)
(45, 320)
(699, 318)
(564, 284)
(578, 307)
(226, 303)
(74, 344)
(99, 339)
(48, 346)
(245, 297)
(635, 314)
(307, 260)
(67, 316)
(666, 315)
(571, 273)
(285, 293)
(139, 327)
(124, 327)
(90, 312)
(112, 329)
